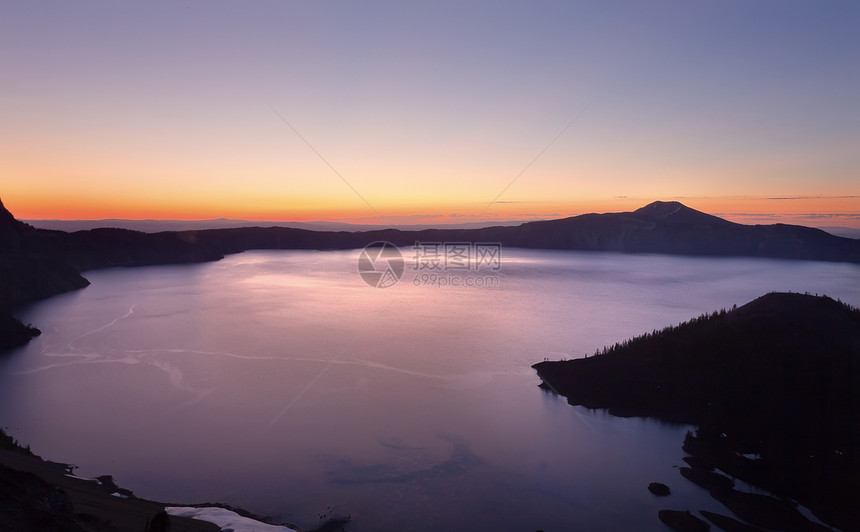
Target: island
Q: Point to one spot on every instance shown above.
(773, 388)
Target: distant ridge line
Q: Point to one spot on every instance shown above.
(659, 227)
(39, 263)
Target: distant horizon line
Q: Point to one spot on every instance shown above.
(178, 224)
(346, 221)
(805, 210)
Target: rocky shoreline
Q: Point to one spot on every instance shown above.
(37, 494)
(13, 333)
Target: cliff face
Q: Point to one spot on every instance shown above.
(29, 269)
(11, 230)
(27, 274)
(36, 263)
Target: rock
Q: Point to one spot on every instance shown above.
(659, 489)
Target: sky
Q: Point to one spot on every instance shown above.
(384, 112)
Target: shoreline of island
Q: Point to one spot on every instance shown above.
(770, 386)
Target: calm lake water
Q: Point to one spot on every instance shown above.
(282, 383)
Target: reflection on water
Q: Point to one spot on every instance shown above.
(462, 459)
(281, 382)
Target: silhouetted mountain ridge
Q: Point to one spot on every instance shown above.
(38, 263)
(661, 227)
(673, 228)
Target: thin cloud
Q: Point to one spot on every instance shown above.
(852, 215)
(810, 197)
(759, 197)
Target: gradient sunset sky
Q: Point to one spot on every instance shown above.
(385, 112)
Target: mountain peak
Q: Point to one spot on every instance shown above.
(677, 212)
(661, 209)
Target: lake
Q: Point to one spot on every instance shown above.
(280, 381)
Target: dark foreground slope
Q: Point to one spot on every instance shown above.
(777, 379)
(39, 495)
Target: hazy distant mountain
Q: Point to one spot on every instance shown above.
(774, 387)
(155, 226)
(847, 232)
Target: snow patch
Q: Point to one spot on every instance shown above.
(83, 478)
(225, 519)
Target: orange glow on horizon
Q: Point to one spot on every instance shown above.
(808, 210)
